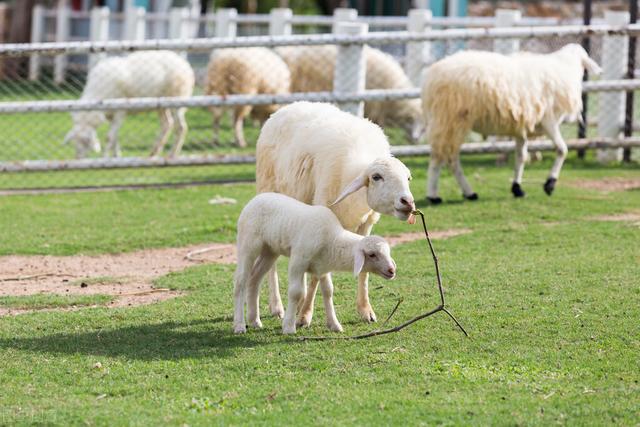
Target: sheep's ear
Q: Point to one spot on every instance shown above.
(355, 185)
(358, 263)
(67, 137)
(591, 66)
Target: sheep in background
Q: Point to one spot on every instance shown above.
(320, 155)
(249, 71)
(312, 70)
(521, 95)
(273, 224)
(141, 74)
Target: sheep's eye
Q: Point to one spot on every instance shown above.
(376, 177)
(373, 256)
(409, 179)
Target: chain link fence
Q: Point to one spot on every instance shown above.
(159, 112)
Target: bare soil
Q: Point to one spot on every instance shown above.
(633, 216)
(608, 184)
(127, 276)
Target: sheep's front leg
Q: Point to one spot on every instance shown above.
(216, 116)
(432, 181)
(113, 146)
(166, 124)
(326, 284)
(467, 192)
(552, 128)
(181, 131)
(297, 292)
(521, 154)
(306, 312)
(240, 113)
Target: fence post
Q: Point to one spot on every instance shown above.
(507, 18)
(631, 68)
(586, 44)
(37, 30)
(421, 4)
(343, 14)
(63, 21)
(349, 74)
(226, 23)
(418, 53)
(135, 23)
(179, 24)
(280, 22)
(98, 31)
(611, 104)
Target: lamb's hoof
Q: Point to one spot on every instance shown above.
(550, 185)
(256, 324)
(434, 200)
(304, 321)
(277, 311)
(289, 330)
(334, 327)
(367, 314)
(517, 190)
(472, 197)
(240, 329)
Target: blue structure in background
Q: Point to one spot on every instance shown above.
(448, 7)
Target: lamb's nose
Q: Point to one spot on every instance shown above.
(406, 201)
(391, 271)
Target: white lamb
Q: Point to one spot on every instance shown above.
(522, 95)
(142, 74)
(320, 155)
(249, 71)
(273, 224)
(312, 69)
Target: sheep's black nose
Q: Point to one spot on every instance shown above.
(391, 271)
(407, 202)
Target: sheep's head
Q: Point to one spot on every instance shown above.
(83, 133)
(387, 182)
(587, 63)
(372, 254)
(415, 126)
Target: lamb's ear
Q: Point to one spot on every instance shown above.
(355, 185)
(358, 262)
(591, 66)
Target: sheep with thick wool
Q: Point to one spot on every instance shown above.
(142, 74)
(312, 69)
(273, 224)
(521, 95)
(248, 71)
(320, 155)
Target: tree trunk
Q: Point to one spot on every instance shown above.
(19, 32)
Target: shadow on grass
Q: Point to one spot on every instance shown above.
(206, 338)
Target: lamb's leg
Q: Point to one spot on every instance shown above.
(552, 128)
(181, 132)
(326, 284)
(113, 146)
(467, 191)
(306, 312)
(166, 123)
(240, 113)
(521, 154)
(432, 181)
(241, 279)
(362, 299)
(264, 262)
(275, 303)
(296, 294)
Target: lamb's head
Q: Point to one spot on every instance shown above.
(387, 182)
(83, 133)
(372, 254)
(587, 63)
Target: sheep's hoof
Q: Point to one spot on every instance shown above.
(334, 327)
(256, 324)
(550, 185)
(289, 330)
(517, 190)
(304, 321)
(277, 311)
(240, 329)
(434, 200)
(472, 197)
(367, 314)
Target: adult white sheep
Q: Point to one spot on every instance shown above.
(273, 224)
(141, 74)
(248, 71)
(520, 96)
(320, 155)
(312, 69)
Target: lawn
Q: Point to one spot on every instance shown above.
(548, 291)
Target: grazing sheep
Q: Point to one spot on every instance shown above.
(249, 71)
(312, 70)
(320, 155)
(273, 224)
(141, 74)
(520, 96)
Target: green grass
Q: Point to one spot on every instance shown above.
(548, 293)
(40, 301)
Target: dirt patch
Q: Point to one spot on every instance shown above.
(127, 276)
(633, 217)
(607, 184)
(411, 237)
